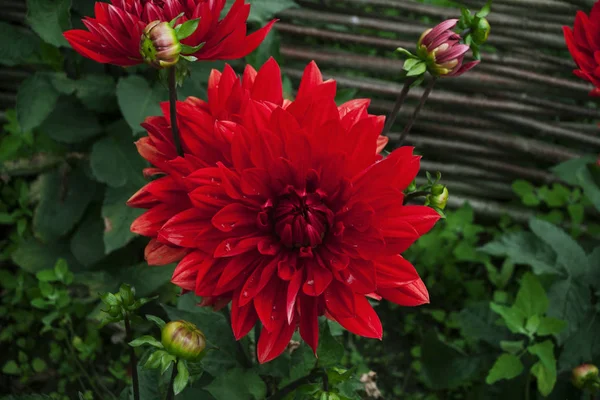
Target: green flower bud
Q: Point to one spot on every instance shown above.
(159, 45)
(438, 197)
(585, 376)
(481, 31)
(412, 187)
(183, 340)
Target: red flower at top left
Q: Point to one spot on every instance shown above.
(113, 36)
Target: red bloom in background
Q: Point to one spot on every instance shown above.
(290, 213)
(584, 45)
(113, 36)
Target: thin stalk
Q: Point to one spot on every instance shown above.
(391, 118)
(132, 360)
(173, 109)
(295, 385)
(170, 392)
(415, 114)
(325, 381)
(527, 386)
(413, 195)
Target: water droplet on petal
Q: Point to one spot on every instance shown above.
(310, 282)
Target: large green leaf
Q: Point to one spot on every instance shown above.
(262, 11)
(545, 369)
(144, 278)
(507, 366)
(588, 178)
(569, 301)
(87, 244)
(17, 45)
(97, 92)
(569, 253)
(531, 298)
(70, 122)
(34, 256)
(49, 19)
(118, 217)
(138, 100)
(36, 99)
(115, 160)
(237, 384)
(149, 384)
(477, 322)
(524, 248)
(330, 350)
(513, 317)
(64, 196)
(583, 346)
(568, 170)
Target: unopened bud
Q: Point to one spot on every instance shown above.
(159, 45)
(438, 197)
(183, 340)
(586, 377)
(481, 31)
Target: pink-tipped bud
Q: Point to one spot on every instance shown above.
(159, 45)
(586, 377)
(183, 340)
(441, 50)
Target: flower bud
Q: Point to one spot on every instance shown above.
(159, 45)
(438, 197)
(441, 50)
(585, 376)
(481, 31)
(183, 340)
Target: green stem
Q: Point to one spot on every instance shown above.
(527, 386)
(415, 114)
(325, 381)
(391, 118)
(413, 195)
(173, 109)
(170, 391)
(132, 360)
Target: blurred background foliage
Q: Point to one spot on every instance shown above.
(512, 271)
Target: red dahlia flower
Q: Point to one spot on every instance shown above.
(283, 208)
(584, 45)
(114, 35)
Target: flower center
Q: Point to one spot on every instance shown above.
(301, 219)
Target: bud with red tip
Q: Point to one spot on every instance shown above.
(183, 340)
(442, 52)
(586, 377)
(159, 45)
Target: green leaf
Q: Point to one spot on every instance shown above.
(477, 322)
(507, 366)
(86, 243)
(445, 367)
(417, 69)
(570, 255)
(145, 279)
(410, 63)
(138, 100)
(149, 388)
(115, 160)
(485, 10)
(512, 346)
(525, 248)
(264, 10)
(64, 198)
(238, 384)
(569, 301)
(550, 326)
(187, 28)
(146, 339)
(165, 362)
(545, 369)
(588, 178)
(531, 298)
(70, 122)
(583, 345)
(182, 378)
(513, 317)
(17, 45)
(39, 365)
(568, 170)
(405, 53)
(35, 101)
(11, 368)
(47, 275)
(159, 322)
(522, 188)
(34, 256)
(330, 351)
(97, 92)
(49, 19)
(153, 362)
(118, 217)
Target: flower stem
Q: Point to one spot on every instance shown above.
(170, 392)
(391, 118)
(132, 360)
(284, 391)
(413, 195)
(173, 109)
(415, 114)
(527, 386)
(325, 381)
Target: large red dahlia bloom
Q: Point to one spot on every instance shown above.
(113, 36)
(584, 45)
(283, 208)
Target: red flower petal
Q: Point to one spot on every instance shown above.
(411, 294)
(272, 343)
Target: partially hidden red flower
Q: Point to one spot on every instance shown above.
(583, 42)
(442, 51)
(283, 208)
(114, 35)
